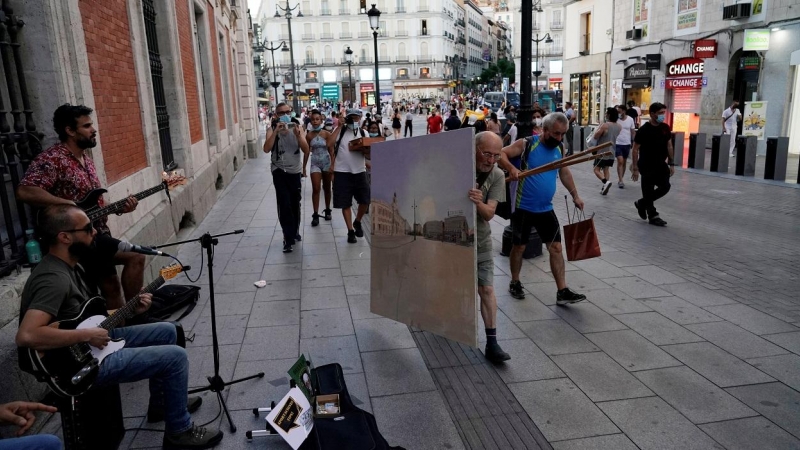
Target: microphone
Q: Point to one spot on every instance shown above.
(128, 247)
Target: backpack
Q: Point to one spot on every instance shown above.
(503, 209)
(341, 136)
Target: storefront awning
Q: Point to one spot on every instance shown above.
(635, 83)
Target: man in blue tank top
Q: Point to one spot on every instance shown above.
(534, 203)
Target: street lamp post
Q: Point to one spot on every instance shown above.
(272, 49)
(525, 113)
(538, 72)
(287, 12)
(374, 22)
(348, 56)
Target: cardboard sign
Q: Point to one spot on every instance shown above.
(292, 418)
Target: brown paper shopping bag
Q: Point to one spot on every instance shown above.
(580, 239)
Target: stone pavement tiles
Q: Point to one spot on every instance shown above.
(689, 337)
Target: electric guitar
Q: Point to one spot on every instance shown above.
(70, 371)
(89, 203)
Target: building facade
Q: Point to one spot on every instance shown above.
(763, 70)
(550, 56)
(387, 219)
(417, 45)
(171, 86)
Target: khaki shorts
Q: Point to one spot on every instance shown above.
(486, 273)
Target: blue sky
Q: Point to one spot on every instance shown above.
(438, 170)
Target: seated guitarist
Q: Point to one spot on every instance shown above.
(56, 291)
(64, 174)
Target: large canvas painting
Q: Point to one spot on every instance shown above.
(423, 234)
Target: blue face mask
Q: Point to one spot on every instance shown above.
(660, 118)
(285, 118)
(374, 134)
(317, 128)
(352, 126)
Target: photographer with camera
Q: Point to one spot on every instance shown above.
(287, 142)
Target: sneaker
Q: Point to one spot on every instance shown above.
(357, 227)
(642, 211)
(567, 296)
(298, 238)
(495, 354)
(658, 221)
(314, 220)
(193, 438)
(621, 185)
(515, 289)
(157, 414)
(328, 214)
(287, 248)
(351, 237)
(606, 187)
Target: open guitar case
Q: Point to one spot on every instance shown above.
(353, 429)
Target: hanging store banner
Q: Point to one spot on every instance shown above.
(653, 61)
(367, 87)
(685, 73)
(637, 76)
(755, 119)
(705, 48)
(330, 92)
(756, 40)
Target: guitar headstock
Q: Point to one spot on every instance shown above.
(170, 272)
(173, 179)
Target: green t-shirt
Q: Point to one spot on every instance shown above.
(55, 288)
(494, 188)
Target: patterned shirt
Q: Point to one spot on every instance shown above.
(58, 171)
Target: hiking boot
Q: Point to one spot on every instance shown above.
(567, 296)
(658, 221)
(287, 248)
(357, 227)
(155, 414)
(515, 289)
(351, 237)
(495, 354)
(193, 438)
(606, 187)
(641, 210)
(327, 214)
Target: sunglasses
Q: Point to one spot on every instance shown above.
(87, 229)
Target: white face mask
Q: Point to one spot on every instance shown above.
(538, 122)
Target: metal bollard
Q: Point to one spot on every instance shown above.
(746, 155)
(677, 147)
(582, 140)
(777, 158)
(697, 150)
(720, 143)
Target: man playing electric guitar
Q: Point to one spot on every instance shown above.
(64, 174)
(56, 291)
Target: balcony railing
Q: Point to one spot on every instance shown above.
(384, 58)
(308, 37)
(365, 60)
(424, 59)
(403, 58)
(326, 36)
(344, 12)
(325, 12)
(345, 35)
(401, 33)
(423, 7)
(557, 25)
(312, 80)
(537, 26)
(310, 62)
(364, 34)
(400, 9)
(283, 36)
(461, 23)
(328, 61)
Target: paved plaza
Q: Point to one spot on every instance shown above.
(689, 339)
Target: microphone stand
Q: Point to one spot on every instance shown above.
(215, 383)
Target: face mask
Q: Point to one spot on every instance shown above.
(660, 118)
(512, 117)
(317, 128)
(352, 126)
(537, 121)
(551, 142)
(374, 134)
(285, 118)
(328, 127)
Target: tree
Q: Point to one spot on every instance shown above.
(504, 68)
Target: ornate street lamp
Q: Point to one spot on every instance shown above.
(374, 22)
(538, 72)
(287, 12)
(348, 57)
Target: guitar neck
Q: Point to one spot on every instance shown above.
(120, 204)
(129, 309)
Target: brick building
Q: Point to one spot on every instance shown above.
(172, 88)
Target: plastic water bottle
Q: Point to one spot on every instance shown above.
(32, 248)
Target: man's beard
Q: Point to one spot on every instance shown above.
(80, 250)
(85, 143)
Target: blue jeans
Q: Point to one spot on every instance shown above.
(35, 442)
(150, 353)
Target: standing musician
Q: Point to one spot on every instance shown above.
(64, 174)
(56, 291)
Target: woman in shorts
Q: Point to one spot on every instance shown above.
(607, 132)
(321, 156)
